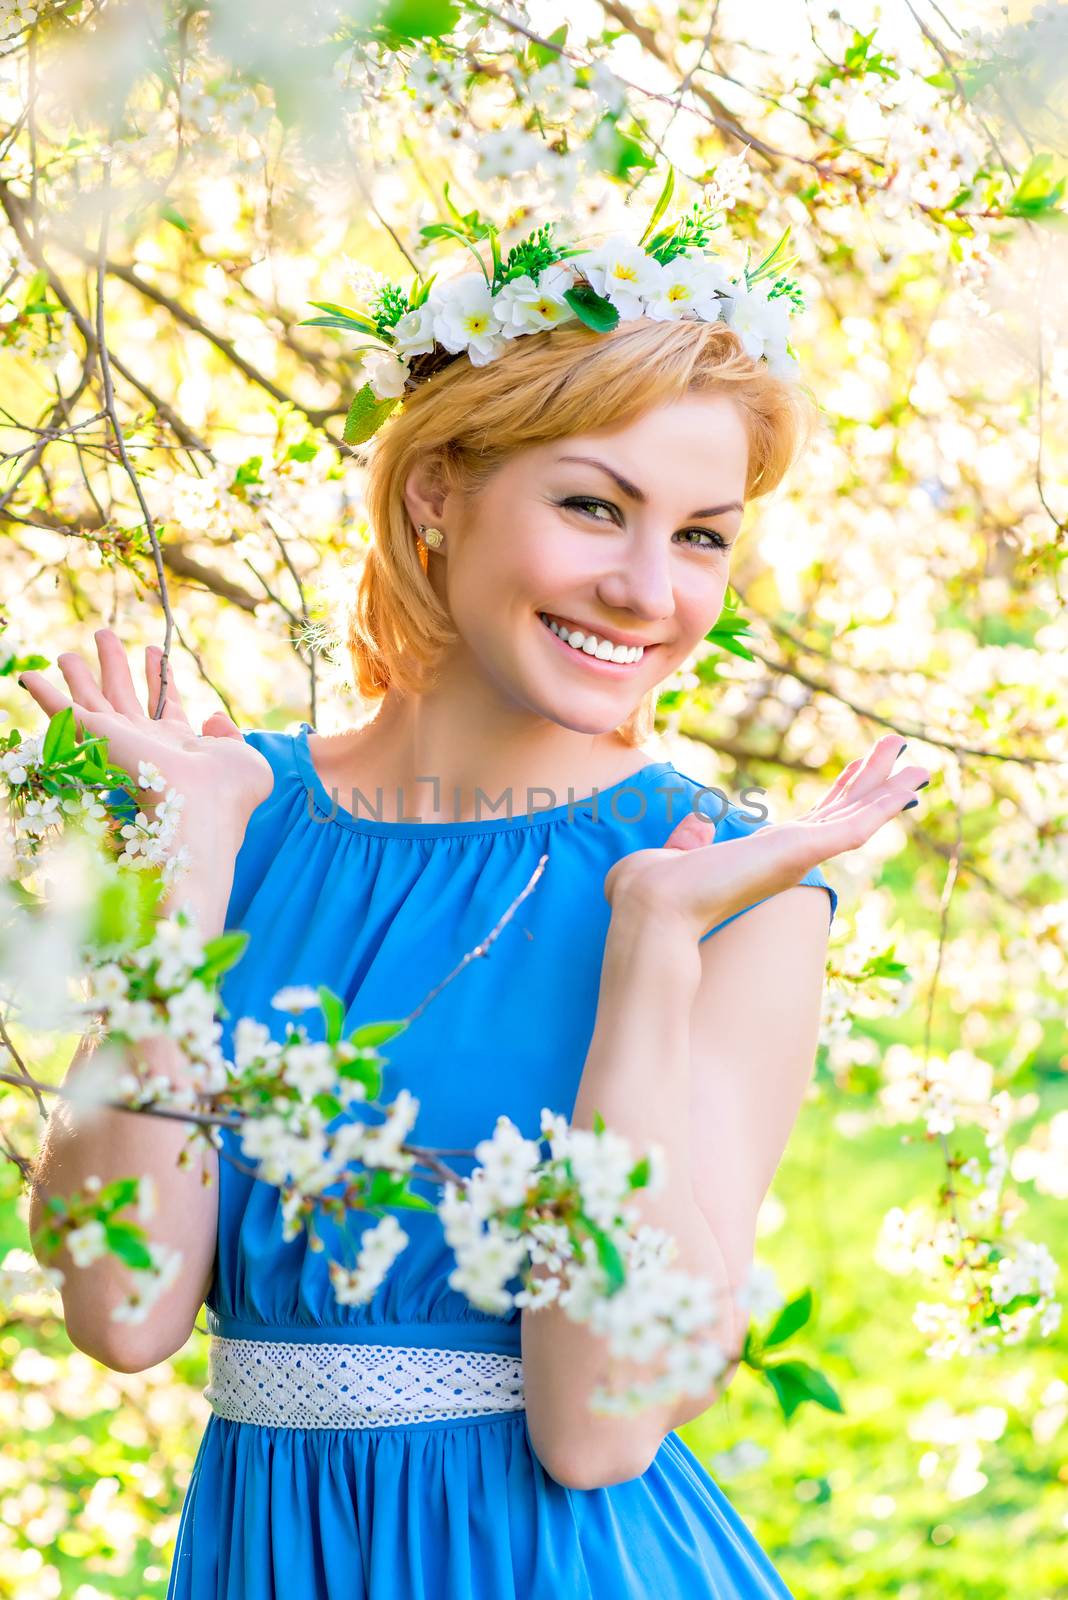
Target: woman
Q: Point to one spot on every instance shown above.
(582, 484)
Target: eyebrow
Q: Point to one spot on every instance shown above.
(632, 490)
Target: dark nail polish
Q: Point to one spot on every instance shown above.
(910, 805)
(924, 784)
(903, 747)
(20, 680)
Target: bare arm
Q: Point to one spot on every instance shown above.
(119, 1144)
(637, 1075)
(706, 1051)
(222, 780)
(754, 1033)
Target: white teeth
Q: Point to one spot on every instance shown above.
(590, 645)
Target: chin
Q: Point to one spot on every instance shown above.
(595, 722)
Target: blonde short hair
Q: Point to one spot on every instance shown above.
(544, 386)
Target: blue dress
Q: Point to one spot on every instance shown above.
(438, 1510)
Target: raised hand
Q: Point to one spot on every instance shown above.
(222, 778)
(696, 884)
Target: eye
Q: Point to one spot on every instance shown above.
(581, 500)
(716, 539)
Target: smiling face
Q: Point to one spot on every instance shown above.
(590, 542)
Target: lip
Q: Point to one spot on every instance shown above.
(616, 669)
(616, 636)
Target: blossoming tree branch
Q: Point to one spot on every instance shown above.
(175, 452)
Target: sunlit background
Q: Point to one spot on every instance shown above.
(238, 163)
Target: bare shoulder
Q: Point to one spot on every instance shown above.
(340, 758)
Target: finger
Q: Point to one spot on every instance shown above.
(220, 726)
(869, 813)
(876, 765)
(50, 699)
(173, 709)
(115, 678)
(692, 833)
(80, 681)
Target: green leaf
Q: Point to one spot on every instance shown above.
(365, 415)
(419, 19)
(592, 308)
(772, 260)
(123, 1192)
(541, 56)
(607, 1254)
(371, 1034)
(730, 624)
(36, 287)
(122, 916)
(334, 1013)
(446, 230)
(599, 1123)
(661, 205)
(340, 317)
(127, 1241)
(327, 1105)
(221, 952)
(793, 1315)
(638, 1176)
(170, 214)
(303, 450)
(795, 1382)
(366, 1072)
(414, 1202)
(59, 739)
(17, 663)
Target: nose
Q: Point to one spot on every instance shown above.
(641, 582)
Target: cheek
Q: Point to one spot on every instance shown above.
(700, 604)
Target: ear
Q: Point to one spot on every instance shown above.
(425, 492)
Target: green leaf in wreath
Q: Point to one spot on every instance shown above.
(592, 308)
(366, 415)
(661, 205)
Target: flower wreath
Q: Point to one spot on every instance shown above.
(668, 275)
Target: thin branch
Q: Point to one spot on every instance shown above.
(109, 403)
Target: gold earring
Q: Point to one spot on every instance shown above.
(433, 536)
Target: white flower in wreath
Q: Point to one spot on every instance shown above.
(763, 324)
(463, 318)
(413, 334)
(781, 364)
(386, 373)
(621, 271)
(690, 285)
(523, 306)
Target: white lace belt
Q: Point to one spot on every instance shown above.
(281, 1385)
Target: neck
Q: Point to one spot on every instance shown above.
(472, 744)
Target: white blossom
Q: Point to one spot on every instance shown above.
(525, 306)
(87, 1243)
(295, 997)
(623, 273)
